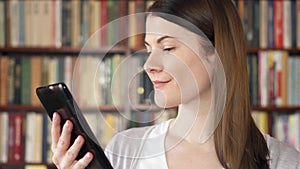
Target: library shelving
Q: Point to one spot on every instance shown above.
(70, 23)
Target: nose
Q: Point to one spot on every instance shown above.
(154, 63)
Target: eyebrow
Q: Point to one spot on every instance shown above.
(159, 39)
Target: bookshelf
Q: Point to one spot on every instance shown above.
(59, 39)
(273, 47)
(67, 46)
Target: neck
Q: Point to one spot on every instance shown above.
(190, 120)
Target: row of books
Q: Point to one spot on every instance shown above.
(283, 126)
(271, 24)
(28, 166)
(274, 78)
(60, 23)
(94, 79)
(25, 136)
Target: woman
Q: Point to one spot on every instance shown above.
(197, 61)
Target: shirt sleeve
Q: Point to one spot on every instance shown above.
(282, 156)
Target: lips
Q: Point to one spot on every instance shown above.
(159, 83)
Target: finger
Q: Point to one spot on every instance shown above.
(84, 162)
(55, 130)
(65, 137)
(74, 149)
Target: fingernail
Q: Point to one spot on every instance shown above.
(89, 155)
(78, 140)
(67, 124)
(54, 116)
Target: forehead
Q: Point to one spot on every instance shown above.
(158, 26)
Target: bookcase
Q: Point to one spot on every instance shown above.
(273, 40)
(44, 42)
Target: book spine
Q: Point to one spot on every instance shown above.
(75, 23)
(4, 137)
(16, 138)
(256, 24)
(287, 24)
(294, 23)
(14, 10)
(298, 24)
(11, 81)
(2, 24)
(278, 24)
(263, 30)
(17, 81)
(22, 32)
(66, 23)
(104, 20)
(4, 74)
(270, 25)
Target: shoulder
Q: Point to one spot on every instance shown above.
(126, 147)
(282, 156)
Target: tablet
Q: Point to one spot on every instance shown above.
(58, 98)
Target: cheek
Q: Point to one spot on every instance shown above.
(168, 97)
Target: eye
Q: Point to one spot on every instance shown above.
(168, 49)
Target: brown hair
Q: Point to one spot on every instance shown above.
(239, 144)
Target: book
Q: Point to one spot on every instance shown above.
(261, 120)
(2, 23)
(263, 30)
(28, 23)
(4, 130)
(103, 22)
(16, 143)
(263, 80)
(284, 82)
(287, 24)
(84, 22)
(14, 14)
(75, 23)
(36, 69)
(270, 24)
(4, 74)
(94, 38)
(22, 31)
(113, 25)
(35, 31)
(278, 23)
(45, 16)
(293, 129)
(277, 59)
(35, 167)
(11, 81)
(17, 81)
(256, 23)
(33, 137)
(298, 23)
(57, 23)
(66, 22)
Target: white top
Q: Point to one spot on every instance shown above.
(143, 148)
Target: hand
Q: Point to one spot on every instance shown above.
(63, 154)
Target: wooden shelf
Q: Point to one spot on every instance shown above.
(111, 108)
(10, 108)
(256, 49)
(63, 50)
(18, 165)
(276, 108)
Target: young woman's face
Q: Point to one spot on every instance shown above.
(175, 69)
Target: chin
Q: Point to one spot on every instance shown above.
(162, 101)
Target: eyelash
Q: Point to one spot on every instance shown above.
(168, 49)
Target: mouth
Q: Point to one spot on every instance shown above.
(158, 83)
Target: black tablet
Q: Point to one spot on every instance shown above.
(58, 98)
